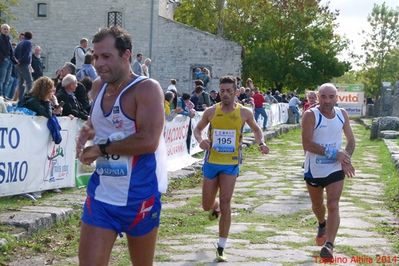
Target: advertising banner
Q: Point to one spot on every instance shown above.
(30, 160)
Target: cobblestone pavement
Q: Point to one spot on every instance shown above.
(272, 222)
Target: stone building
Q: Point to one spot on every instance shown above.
(175, 49)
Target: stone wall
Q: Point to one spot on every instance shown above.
(186, 48)
(173, 47)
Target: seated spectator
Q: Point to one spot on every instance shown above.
(242, 95)
(249, 100)
(80, 92)
(67, 94)
(87, 69)
(40, 98)
(186, 105)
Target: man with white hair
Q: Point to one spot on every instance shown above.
(6, 58)
(67, 95)
(326, 163)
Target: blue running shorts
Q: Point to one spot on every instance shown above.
(211, 170)
(137, 219)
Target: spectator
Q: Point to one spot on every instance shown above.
(259, 110)
(40, 98)
(311, 100)
(6, 58)
(87, 69)
(137, 69)
(146, 67)
(242, 95)
(249, 84)
(67, 94)
(23, 53)
(198, 74)
(213, 97)
(81, 93)
(206, 78)
(170, 112)
(277, 96)
(80, 52)
(37, 63)
(186, 105)
(172, 85)
(294, 107)
(9, 93)
(249, 100)
(269, 98)
(200, 99)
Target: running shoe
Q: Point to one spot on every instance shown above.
(326, 251)
(321, 236)
(220, 257)
(213, 215)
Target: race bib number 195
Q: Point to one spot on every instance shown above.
(224, 140)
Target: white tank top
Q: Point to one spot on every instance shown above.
(328, 133)
(115, 173)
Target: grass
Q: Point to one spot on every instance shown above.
(62, 240)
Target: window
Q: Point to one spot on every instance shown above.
(115, 19)
(42, 10)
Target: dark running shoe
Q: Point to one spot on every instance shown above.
(321, 236)
(213, 215)
(326, 251)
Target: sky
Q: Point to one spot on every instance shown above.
(353, 17)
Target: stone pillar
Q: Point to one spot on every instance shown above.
(385, 101)
(395, 100)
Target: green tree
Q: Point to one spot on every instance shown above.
(286, 42)
(6, 14)
(380, 47)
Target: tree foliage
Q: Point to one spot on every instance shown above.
(381, 48)
(287, 42)
(5, 11)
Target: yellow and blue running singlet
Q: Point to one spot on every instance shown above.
(225, 134)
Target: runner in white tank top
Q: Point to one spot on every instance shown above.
(326, 164)
(127, 121)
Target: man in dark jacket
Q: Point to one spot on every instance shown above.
(37, 64)
(67, 95)
(23, 53)
(6, 58)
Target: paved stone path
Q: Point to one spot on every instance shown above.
(272, 222)
(271, 188)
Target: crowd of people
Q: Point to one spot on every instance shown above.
(124, 191)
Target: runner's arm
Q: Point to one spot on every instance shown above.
(205, 119)
(258, 134)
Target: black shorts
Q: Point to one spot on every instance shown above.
(325, 181)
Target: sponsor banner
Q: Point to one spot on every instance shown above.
(30, 160)
(175, 134)
(353, 109)
(350, 87)
(352, 102)
(345, 97)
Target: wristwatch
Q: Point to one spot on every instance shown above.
(104, 146)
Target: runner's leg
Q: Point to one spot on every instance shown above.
(209, 190)
(334, 191)
(316, 197)
(142, 248)
(227, 183)
(95, 245)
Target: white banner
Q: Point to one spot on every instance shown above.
(29, 159)
(176, 143)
